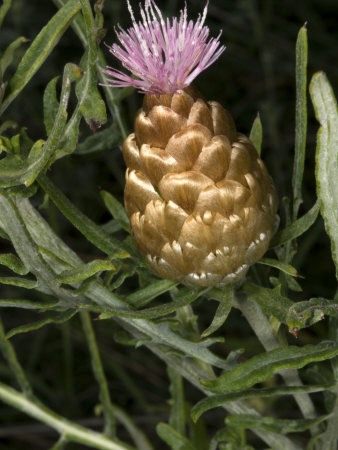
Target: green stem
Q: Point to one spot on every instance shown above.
(70, 430)
(12, 360)
(108, 410)
(261, 326)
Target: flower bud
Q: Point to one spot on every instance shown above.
(201, 204)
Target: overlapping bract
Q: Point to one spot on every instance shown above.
(201, 204)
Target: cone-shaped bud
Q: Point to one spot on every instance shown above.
(201, 204)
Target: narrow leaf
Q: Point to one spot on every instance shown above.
(40, 49)
(281, 426)
(297, 228)
(283, 267)
(222, 312)
(50, 105)
(256, 134)
(6, 4)
(26, 304)
(61, 318)
(264, 365)
(325, 106)
(143, 296)
(85, 271)
(14, 263)
(177, 413)
(8, 56)
(173, 438)
(116, 210)
(219, 400)
(301, 118)
(87, 227)
(26, 283)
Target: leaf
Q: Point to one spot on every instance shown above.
(222, 312)
(8, 56)
(14, 170)
(280, 426)
(271, 301)
(61, 318)
(50, 105)
(142, 297)
(26, 283)
(87, 227)
(305, 314)
(286, 268)
(6, 4)
(297, 228)
(153, 312)
(219, 400)
(116, 210)
(85, 271)
(173, 438)
(325, 106)
(256, 134)
(301, 118)
(40, 49)
(27, 304)
(14, 263)
(177, 413)
(91, 103)
(101, 141)
(262, 366)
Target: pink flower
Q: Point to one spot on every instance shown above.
(162, 56)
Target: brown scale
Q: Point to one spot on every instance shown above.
(201, 204)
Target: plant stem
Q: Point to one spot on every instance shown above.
(260, 325)
(70, 430)
(108, 410)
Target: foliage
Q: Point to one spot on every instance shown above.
(61, 262)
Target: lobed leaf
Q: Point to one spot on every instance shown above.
(271, 301)
(262, 366)
(297, 228)
(219, 400)
(305, 314)
(256, 134)
(325, 106)
(40, 49)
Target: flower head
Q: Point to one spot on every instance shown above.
(163, 56)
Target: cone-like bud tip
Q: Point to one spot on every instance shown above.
(163, 56)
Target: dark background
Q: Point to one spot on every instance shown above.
(255, 74)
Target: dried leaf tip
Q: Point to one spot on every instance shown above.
(163, 56)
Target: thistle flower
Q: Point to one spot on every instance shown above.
(163, 56)
(201, 204)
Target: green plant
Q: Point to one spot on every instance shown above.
(44, 276)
